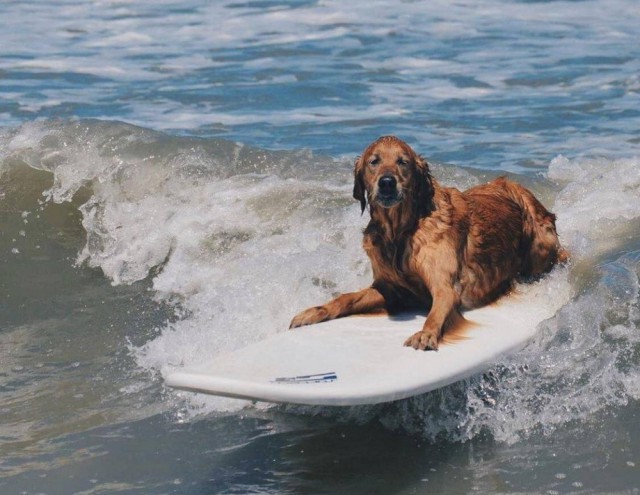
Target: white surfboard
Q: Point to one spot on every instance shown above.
(362, 360)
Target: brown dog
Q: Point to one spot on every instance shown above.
(436, 247)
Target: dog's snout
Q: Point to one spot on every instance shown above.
(387, 185)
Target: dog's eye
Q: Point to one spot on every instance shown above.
(403, 162)
(374, 161)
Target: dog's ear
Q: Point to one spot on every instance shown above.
(425, 191)
(358, 184)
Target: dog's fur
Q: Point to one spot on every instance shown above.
(436, 247)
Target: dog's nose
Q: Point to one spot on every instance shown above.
(387, 185)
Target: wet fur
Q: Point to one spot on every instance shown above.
(438, 248)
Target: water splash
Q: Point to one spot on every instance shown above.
(239, 239)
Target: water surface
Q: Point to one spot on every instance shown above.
(175, 181)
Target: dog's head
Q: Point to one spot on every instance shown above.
(389, 174)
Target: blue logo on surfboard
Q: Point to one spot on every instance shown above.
(317, 378)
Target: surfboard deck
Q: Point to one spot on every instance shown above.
(361, 359)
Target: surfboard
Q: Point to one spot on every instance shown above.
(361, 359)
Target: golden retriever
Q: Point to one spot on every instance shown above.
(437, 247)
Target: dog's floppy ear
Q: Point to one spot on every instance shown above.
(358, 184)
(424, 196)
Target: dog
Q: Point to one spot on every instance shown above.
(439, 248)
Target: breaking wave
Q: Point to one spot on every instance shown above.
(239, 239)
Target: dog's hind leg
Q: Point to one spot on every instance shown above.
(543, 246)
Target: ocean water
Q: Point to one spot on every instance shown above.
(175, 181)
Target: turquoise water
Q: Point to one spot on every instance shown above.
(175, 182)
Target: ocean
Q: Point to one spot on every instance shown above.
(175, 182)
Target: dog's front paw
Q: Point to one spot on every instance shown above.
(309, 317)
(423, 341)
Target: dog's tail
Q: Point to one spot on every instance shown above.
(541, 245)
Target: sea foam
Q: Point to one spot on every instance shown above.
(240, 239)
